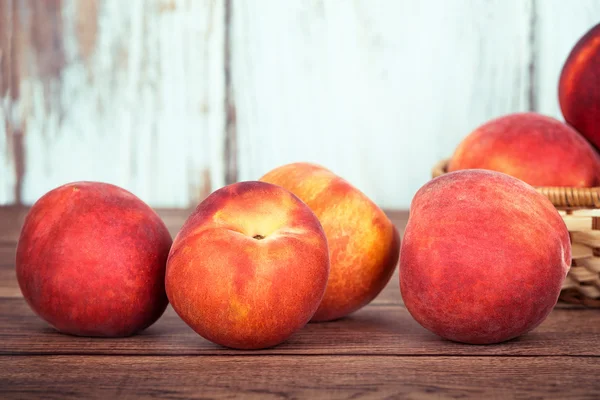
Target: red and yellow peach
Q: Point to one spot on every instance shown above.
(91, 260)
(249, 267)
(537, 149)
(483, 258)
(579, 86)
(363, 242)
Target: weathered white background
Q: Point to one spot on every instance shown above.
(172, 99)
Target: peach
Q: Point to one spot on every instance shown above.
(249, 266)
(579, 86)
(363, 243)
(483, 258)
(91, 260)
(537, 149)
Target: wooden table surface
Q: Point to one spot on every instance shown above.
(378, 352)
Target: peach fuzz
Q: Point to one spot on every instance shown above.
(249, 266)
(363, 242)
(537, 149)
(579, 86)
(91, 260)
(483, 258)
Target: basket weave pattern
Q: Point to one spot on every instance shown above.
(580, 209)
(582, 285)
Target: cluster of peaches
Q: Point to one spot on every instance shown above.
(482, 260)
(252, 264)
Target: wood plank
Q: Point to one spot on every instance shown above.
(377, 94)
(294, 377)
(374, 330)
(11, 220)
(129, 93)
(559, 25)
(9, 287)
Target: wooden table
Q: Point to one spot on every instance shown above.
(378, 352)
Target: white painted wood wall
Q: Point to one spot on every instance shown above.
(171, 99)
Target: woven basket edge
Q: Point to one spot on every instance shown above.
(561, 197)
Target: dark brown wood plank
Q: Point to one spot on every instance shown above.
(375, 330)
(11, 220)
(283, 377)
(9, 288)
(7, 253)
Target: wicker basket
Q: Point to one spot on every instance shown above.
(580, 209)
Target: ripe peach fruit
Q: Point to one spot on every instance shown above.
(483, 257)
(579, 86)
(363, 242)
(91, 260)
(249, 267)
(537, 149)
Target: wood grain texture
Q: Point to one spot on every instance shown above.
(559, 25)
(376, 93)
(129, 93)
(292, 377)
(377, 329)
(378, 352)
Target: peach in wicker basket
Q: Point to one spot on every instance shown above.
(580, 209)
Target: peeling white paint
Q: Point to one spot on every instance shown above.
(560, 25)
(376, 93)
(145, 113)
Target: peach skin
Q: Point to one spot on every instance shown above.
(249, 266)
(483, 258)
(537, 149)
(91, 260)
(579, 86)
(363, 243)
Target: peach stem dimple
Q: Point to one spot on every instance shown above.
(258, 237)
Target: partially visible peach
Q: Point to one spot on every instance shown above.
(363, 242)
(249, 267)
(91, 260)
(537, 149)
(483, 258)
(579, 86)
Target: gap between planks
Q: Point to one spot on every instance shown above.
(301, 377)
(253, 353)
(373, 330)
